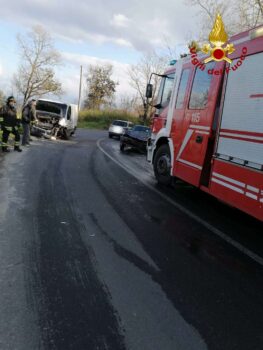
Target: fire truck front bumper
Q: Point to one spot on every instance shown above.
(150, 147)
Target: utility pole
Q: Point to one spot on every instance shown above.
(80, 86)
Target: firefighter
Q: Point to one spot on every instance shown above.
(28, 117)
(10, 124)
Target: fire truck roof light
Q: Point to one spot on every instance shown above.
(256, 33)
(172, 62)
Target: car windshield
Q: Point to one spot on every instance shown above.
(119, 123)
(141, 128)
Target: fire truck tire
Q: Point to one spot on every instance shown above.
(162, 165)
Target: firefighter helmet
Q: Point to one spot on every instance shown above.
(10, 99)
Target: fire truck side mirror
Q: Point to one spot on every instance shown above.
(149, 91)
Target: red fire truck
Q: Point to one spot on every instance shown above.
(208, 125)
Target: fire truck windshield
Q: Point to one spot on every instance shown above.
(165, 91)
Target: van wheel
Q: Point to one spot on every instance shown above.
(73, 132)
(162, 165)
(66, 134)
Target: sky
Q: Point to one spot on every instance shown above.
(93, 32)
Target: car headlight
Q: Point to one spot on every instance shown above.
(63, 122)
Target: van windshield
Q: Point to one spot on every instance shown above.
(52, 107)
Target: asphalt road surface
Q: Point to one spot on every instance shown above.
(95, 256)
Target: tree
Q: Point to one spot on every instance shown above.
(139, 75)
(36, 75)
(2, 98)
(238, 15)
(100, 86)
(250, 13)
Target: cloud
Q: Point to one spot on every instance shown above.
(140, 25)
(124, 27)
(120, 20)
(122, 42)
(6, 77)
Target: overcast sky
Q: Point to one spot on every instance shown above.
(88, 32)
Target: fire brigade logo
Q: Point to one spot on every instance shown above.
(217, 49)
(218, 37)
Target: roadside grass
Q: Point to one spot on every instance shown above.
(94, 119)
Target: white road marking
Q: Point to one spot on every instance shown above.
(188, 212)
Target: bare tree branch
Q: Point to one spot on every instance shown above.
(139, 75)
(36, 76)
(238, 15)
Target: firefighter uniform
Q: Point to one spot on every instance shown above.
(10, 124)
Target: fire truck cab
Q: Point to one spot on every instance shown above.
(208, 126)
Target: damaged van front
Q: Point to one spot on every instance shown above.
(55, 119)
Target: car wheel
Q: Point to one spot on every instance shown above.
(162, 165)
(122, 146)
(110, 136)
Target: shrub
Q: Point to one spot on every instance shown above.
(96, 119)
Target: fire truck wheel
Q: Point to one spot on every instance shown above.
(162, 165)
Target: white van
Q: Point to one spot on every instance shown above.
(55, 119)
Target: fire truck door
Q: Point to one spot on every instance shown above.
(197, 125)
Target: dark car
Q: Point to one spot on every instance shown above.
(135, 138)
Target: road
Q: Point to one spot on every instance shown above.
(94, 255)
